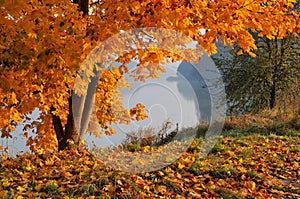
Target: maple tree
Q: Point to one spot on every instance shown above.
(44, 43)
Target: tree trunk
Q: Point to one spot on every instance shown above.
(82, 116)
(83, 6)
(64, 135)
(70, 129)
(59, 131)
(274, 72)
(272, 96)
(89, 104)
(82, 106)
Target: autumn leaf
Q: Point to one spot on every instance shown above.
(38, 187)
(21, 189)
(41, 54)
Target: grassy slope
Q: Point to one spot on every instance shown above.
(252, 162)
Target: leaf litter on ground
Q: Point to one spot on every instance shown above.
(245, 166)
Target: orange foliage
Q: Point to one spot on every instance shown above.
(43, 43)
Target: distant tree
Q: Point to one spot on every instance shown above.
(256, 83)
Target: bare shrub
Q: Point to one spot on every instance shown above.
(149, 136)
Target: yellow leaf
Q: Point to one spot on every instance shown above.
(178, 175)
(168, 170)
(160, 173)
(40, 151)
(14, 98)
(231, 153)
(20, 189)
(180, 166)
(15, 115)
(119, 182)
(49, 162)
(146, 149)
(281, 176)
(252, 54)
(67, 174)
(243, 177)
(32, 35)
(85, 46)
(161, 189)
(6, 184)
(146, 187)
(250, 185)
(242, 169)
(38, 187)
(221, 182)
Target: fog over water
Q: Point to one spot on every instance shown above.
(179, 96)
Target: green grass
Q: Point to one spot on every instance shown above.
(223, 172)
(285, 189)
(51, 189)
(226, 193)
